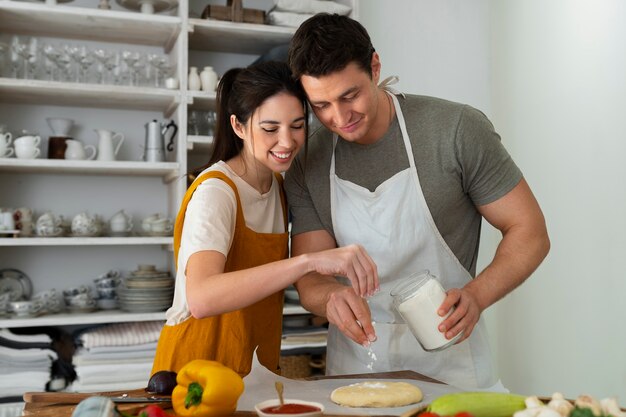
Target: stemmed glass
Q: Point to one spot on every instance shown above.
(74, 54)
(131, 59)
(16, 56)
(51, 55)
(105, 59)
(161, 65)
(85, 61)
(3, 51)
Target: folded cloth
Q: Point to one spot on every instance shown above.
(12, 409)
(110, 373)
(31, 355)
(102, 350)
(113, 386)
(86, 358)
(311, 6)
(122, 334)
(276, 18)
(25, 338)
(21, 382)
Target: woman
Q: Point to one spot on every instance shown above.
(231, 241)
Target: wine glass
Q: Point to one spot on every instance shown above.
(104, 58)
(51, 56)
(131, 59)
(16, 56)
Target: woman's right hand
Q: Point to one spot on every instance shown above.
(352, 262)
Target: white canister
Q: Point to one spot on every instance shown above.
(417, 299)
(193, 83)
(208, 78)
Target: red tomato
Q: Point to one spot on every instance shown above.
(153, 411)
(428, 414)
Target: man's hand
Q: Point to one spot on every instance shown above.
(463, 318)
(351, 314)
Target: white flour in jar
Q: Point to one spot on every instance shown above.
(420, 313)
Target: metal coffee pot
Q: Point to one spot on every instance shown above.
(154, 150)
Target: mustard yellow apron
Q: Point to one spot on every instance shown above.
(230, 338)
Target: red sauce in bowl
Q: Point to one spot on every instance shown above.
(290, 409)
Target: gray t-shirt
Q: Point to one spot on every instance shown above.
(460, 162)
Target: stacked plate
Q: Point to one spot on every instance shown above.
(146, 290)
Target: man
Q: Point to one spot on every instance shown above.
(409, 178)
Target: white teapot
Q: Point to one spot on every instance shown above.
(85, 224)
(120, 223)
(49, 225)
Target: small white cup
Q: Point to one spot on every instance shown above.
(6, 221)
(27, 152)
(161, 226)
(5, 142)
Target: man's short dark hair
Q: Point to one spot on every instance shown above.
(326, 43)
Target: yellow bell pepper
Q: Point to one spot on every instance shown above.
(206, 389)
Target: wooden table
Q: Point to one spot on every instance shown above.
(41, 409)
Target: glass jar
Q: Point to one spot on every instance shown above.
(417, 298)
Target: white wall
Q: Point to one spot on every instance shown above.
(551, 76)
(559, 95)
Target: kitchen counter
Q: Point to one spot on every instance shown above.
(41, 409)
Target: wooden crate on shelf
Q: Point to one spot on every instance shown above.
(234, 12)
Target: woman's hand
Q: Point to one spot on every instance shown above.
(352, 262)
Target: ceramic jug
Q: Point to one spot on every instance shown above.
(193, 83)
(107, 151)
(76, 150)
(208, 78)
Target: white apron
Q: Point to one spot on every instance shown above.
(396, 228)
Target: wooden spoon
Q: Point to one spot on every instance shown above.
(279, 389)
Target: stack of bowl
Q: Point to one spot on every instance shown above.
(106, 287)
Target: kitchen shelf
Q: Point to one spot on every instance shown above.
(85, 241)
(88, 95)
(99, 317)
(84, 167)
(201, 100)
(89, 24)
(68, 319)
(242, 38)
(200, 143)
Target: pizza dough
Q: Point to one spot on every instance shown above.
(377, 394)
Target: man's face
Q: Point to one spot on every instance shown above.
(347, 102)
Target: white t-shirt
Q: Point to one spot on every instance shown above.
(210, 224)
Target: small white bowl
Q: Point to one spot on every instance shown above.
(275, 403)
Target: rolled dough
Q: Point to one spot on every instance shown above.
(377, 394)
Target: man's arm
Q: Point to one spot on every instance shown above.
(523, 247)
(324, 296)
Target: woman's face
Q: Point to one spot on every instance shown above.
(275, 132)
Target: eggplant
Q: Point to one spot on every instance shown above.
(162, 382)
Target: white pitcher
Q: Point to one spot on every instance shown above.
(76, 150)
(106, 150)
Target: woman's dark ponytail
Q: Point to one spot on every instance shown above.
(227, 143)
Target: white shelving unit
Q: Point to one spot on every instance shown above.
(73, 22)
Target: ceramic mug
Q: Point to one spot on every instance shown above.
(161, 226)
(27, 147)
(5, 142)
(6, 221)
